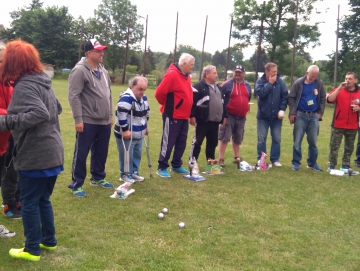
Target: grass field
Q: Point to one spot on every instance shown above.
(264, 220)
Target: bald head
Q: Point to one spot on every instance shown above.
(311, 74)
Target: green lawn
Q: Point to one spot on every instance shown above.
(264, 220)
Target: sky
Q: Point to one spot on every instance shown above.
(191, 22)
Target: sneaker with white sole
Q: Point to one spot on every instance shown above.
(127, 179)
(4, 232)
(101, 183)
(277, 164)
(180, 170)
(136, 176)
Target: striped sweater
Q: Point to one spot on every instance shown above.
(141, 112)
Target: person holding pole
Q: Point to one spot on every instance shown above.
(132, 115)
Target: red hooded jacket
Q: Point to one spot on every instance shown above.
(175, 94)
(5, 97)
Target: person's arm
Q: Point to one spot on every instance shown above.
(196, 87)
(262, 88)
(31, 108)
(162, 90)
(322, 96)
(332, 96)
(76, 86)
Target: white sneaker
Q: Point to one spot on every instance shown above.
(127, 179)
(4, 232)
(277, 164)
(136, 176)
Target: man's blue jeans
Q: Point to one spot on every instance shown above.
(305, 123)
(275, 132)
(134, 154)
(37, 213)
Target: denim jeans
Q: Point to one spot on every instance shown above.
(37, 213)
(306, 123)
(275, 132)
(357, 160)
(134, 154)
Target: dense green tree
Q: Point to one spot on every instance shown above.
(118, 15)
(279, 20)
(218, 59)
(349, 55)
(263, 60)
(48, 29)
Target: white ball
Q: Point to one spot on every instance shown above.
(165, 211)
(161, 216)
(181, 225)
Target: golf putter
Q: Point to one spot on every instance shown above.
(127, 151)
(147, 144)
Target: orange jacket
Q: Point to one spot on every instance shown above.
(5, 97)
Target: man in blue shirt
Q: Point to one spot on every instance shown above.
(307, 100)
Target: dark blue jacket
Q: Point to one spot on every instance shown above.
(271, 98)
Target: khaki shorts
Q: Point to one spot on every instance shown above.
(234, 127)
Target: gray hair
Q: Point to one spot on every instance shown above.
(207, 69)
(269, 66)
(352, 73)
(134, 81)
(185, 58)
(313, 68)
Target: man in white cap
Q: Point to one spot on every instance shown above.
(91, 104)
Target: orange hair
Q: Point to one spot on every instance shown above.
(19, 58)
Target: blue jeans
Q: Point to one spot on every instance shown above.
(275, 132)
(37, 213)
(134, 156)
(305, 123)
(357, 160)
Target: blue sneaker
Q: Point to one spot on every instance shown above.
(345, 167)
(101, 183)
(163, 173)
(79, 192)
(180, 170)
(330, 168)
(315, 167)
(296, 167)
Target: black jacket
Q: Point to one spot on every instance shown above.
(200, 107)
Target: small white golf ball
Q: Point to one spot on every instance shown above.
(161, 216)
(181, 225)
(165, 211)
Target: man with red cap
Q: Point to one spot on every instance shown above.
(91, 103)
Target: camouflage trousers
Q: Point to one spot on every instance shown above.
(335, 142)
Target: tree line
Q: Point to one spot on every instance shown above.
(57, 34)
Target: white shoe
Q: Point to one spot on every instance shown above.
(277, 164)
(137, 178)
(127, 179)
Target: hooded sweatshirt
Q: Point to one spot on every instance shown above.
(6, 93)
(33, 118)
(140, 115)
(90, 96)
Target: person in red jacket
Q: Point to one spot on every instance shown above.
(9, 185)
(175, 95)
(346, 119)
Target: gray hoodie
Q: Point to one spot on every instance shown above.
(33, 118)
(90, 96)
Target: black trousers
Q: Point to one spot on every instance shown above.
(10, 189)
(210, 131)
